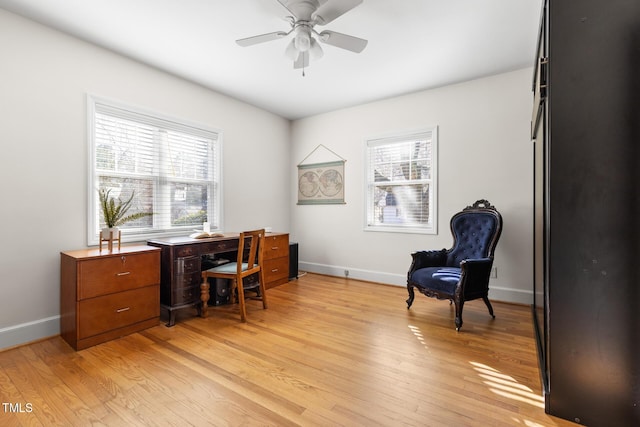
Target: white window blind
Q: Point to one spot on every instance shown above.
(401, 182)
(172, 168)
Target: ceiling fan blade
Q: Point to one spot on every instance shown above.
(288, 4)
(302, 10)
(250, 41)
(331, 10)
(302, 61)
(344, 41)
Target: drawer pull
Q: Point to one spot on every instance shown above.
(274, 270)
(123, 273)
(120, 310)
(274, 248)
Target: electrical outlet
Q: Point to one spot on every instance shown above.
(346, 273)
(494, 272)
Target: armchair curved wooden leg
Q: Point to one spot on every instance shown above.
(459, 304)
(486, 301)
(412, 295)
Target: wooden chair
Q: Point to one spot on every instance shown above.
(237, 271)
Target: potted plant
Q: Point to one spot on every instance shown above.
(115, 213)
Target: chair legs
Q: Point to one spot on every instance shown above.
(457, 301)
(243, 309)
(486, 301)
(237, 290)
(412, 295)
(459, 304)
(263, 293)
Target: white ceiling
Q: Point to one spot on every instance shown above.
(413, 45)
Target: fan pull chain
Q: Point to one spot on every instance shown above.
(305, 58)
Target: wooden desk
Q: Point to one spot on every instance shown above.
(181, 266)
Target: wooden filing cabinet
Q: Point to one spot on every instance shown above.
(276, 259)
(106, 295)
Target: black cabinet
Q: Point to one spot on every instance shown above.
(586, 131)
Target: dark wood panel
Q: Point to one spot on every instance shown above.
(591, 210)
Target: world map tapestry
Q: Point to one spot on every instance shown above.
(321, 183)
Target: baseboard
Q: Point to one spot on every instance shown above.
(496, 293)
(30, 331)
(354, 273)
(517, 296)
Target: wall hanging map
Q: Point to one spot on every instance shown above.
(321, 183)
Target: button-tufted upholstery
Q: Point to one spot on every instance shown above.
(472, 234)
(461, 273)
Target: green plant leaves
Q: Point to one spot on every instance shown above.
(114, 212)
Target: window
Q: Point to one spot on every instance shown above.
(401, 182)
(172, 168)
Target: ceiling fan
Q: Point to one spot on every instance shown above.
(305, 15)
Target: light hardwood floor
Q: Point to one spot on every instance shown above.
(327, 352)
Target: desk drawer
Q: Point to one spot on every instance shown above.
(276, 246)
(185, 295)
(186, 280)
(275, 269)
(187, 265)
(109, 312)
(118, 273)
(219, 246)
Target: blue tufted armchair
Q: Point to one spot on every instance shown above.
(461, 273)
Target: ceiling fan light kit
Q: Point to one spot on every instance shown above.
(302, 40)
(306, 14)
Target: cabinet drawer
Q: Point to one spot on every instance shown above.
(275, 269)
(276, 246)
(109, 312)
(119, 273)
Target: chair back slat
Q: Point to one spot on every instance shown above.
(255, 241)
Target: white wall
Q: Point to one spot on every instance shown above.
(484, 153)
(44, 78)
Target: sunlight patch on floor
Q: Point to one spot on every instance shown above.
(418, 334)
(499, 383)
(507, 386)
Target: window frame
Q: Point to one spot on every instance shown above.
(369, 182)
(171, 124)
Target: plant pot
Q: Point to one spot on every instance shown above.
(110, 233)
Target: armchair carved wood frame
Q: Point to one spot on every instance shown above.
(461, 273)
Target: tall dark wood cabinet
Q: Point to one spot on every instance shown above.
(586, 132)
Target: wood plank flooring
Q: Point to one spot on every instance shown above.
(327, 352)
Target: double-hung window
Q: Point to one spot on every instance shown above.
(401, 181)
(172, 169)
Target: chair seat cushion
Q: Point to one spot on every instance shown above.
(228, 268)
(443, 279)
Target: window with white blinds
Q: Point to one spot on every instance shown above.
(401, 182)
(172, 169)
